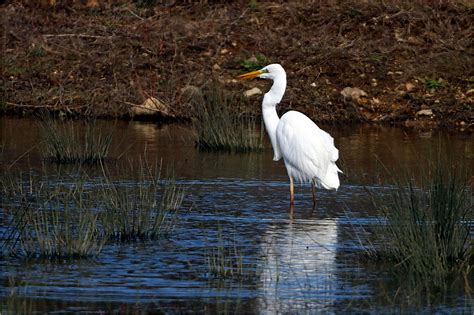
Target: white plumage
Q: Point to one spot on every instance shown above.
(308, 152)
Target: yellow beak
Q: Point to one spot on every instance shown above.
(250, 75)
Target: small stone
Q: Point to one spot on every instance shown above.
(234, 44)
(216, 67)
(151, 106)
(355, 94)
(252, 92)
(409, 87)
(375, 100)
(390, 73)
(224, 51)
(208, 53)
(424, 112)
(313, 84)
(415, 40)
(252, 59)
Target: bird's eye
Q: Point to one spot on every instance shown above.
(265, 71)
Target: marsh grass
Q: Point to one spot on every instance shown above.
(143, 210)
(73, 216)
(65, 143)
(14, 302)
(225, 260)
(425, 228)
(50, 219)
(218, 124)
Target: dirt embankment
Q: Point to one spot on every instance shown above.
(413, 59)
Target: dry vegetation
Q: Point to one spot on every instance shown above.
(100, 57)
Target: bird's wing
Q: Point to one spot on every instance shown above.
(305, 146)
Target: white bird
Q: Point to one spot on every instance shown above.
(308, 151)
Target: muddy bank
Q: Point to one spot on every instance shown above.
(412, 60)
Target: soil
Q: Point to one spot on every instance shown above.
(413, 59)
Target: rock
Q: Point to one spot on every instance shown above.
(224, 51)
(353, 94)
(252, 92)
(424, 112)
(151, 106)
(415, 40)
(91, 3)
(409, 87)
(313, 84)
(216, 67)
(398, 35)
(208, 53)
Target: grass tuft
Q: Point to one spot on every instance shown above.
(433, 84)
(69, 217)
(225, 261)
(65, 143)
(219, 126)
(256, 62)
(426, 229)
(144, 210)
(50, 219)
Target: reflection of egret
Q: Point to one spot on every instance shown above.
(308, 152)
(300, 270)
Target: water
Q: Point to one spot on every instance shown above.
(305, 263)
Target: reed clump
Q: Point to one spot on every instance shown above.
(68, 217)
(225, 260)
(50, 219)
(426, 228)
(218, 124)
(64, 142)
(145, 210)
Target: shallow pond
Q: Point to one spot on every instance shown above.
(308, 262)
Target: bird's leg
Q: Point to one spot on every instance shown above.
(292, 192)
(313, 190)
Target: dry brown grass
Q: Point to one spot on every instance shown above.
(98, 61)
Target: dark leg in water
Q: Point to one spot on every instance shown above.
(313, 189)
(292, 197)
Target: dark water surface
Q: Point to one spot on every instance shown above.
(307, 263)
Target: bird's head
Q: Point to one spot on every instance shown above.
(268, 72)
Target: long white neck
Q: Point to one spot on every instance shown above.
(270, 116)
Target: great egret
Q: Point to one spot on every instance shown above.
(308, 152)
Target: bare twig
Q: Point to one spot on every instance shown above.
(77, 35)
